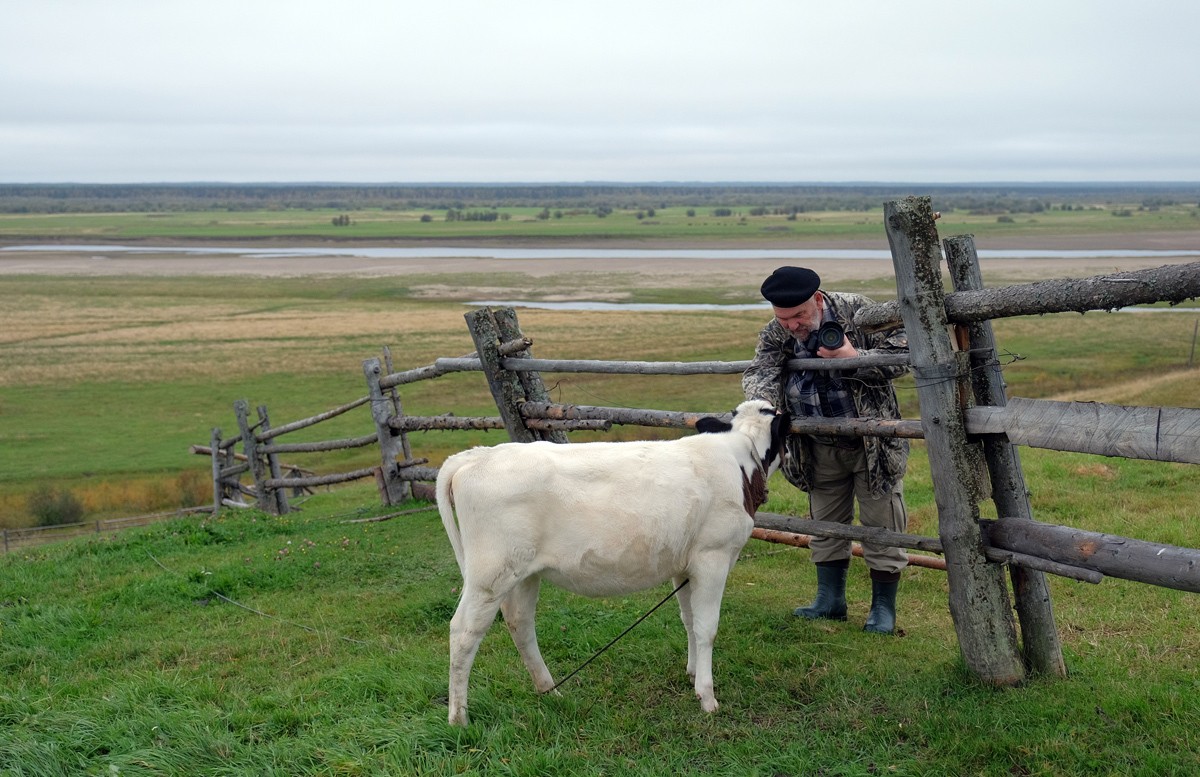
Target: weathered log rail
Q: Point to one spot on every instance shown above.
(1173, 283)
(801, 540)
(1168, 566)
(1000, 553)
(600, 367)
(1154, 433)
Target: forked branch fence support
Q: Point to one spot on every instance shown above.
(966, 419)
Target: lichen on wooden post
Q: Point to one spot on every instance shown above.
(505, 385)
(531, 382)
(241, 409)
(393, 489)
(979, 601)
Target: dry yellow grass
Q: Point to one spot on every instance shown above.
(64, 339)
(49, 339)
(122, 497)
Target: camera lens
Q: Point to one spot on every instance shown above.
(831, 335)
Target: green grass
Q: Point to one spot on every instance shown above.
(668, 224)
(119, 657)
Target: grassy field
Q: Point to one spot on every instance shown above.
(108, 381)
(125, 654)
(307, 644)
(666, 224)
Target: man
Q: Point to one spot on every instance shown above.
(836, 470)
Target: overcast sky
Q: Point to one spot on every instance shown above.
(606, 90)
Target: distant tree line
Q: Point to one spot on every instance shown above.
(600, 199)
(453, 214)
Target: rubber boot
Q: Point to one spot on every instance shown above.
(882, 617)
(831, 593)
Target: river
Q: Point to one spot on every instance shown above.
(486, 252)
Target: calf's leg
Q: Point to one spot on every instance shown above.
(519, 609)
(707, 586)
(471, 621)
(684, 597)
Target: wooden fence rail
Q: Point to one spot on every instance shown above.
(1154, 433)
(1173, 283)
(1168, 566)
(304, 423)
(998, 553)
(600, 367)
(1169, 434)
(12, 540)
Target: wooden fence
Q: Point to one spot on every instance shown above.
(12, 540)
(970, 427)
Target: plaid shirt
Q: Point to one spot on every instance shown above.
(818, 393)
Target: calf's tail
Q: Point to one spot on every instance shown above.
(445, 503)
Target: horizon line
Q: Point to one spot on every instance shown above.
(623, 183)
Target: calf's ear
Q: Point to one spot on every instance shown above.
(710, 425)
(781, 425)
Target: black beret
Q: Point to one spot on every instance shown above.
(788, 287)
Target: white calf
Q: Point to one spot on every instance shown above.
(603, 519)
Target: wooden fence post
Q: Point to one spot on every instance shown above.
(979, 601)
(1031, 592)
(393, 489)
(397, 405)
(241, 409)
(505, 385)
(218, 487)
(230, 473)
(531, 382)
(278, 495)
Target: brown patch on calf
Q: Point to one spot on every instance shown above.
(754, 491)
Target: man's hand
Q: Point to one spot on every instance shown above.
(845, 351)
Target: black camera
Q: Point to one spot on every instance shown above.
(830, 335)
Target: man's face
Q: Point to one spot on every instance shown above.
(802, 320)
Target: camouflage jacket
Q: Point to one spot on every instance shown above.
(871, 387)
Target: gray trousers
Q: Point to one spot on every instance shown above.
(840, 478)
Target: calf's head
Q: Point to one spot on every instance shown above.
(766, 427)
